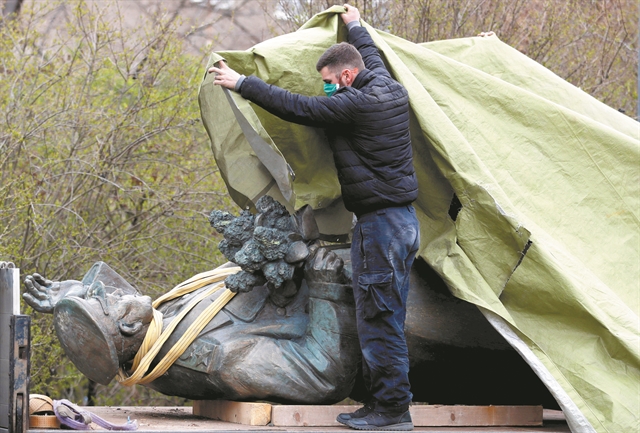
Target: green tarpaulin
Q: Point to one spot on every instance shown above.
(547, 242)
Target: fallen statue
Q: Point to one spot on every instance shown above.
(281, 328)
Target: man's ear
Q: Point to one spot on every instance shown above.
(352, 75)
(129, 329)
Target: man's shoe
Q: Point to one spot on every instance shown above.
(360, 413)
(382, 421)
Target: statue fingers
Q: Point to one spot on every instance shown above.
(313, 249)
(34, 289)
(332, 262)
(28, 298)
(329, 259)
(336, 264)
(335, 267)
(325, 261)
(43, 306)
(41, 280)
(321, 259)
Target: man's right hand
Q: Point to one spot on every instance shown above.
(351, 14)
(225, 76)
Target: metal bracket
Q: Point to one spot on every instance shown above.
(14, 355)
(20, 366)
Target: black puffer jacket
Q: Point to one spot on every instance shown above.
(368, 127)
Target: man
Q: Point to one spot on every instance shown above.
(366, 115)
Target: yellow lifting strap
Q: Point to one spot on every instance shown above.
(156, 337)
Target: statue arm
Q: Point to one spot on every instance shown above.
(321, 366)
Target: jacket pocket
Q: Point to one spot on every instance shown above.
(377, 291)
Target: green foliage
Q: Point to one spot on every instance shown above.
(102, 157)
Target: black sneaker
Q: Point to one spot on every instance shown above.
(360, 413)
(382, 421)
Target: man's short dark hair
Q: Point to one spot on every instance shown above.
(340, 56)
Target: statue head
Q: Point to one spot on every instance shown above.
(112, 325)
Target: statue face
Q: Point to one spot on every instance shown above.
(112, 325)
(131, 312)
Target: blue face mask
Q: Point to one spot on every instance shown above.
(330, 89)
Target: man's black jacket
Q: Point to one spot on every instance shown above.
(367, 125)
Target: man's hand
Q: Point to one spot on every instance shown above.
(351, 14)
(43, 294)
(225, 76)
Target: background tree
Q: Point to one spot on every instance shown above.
(99, 163)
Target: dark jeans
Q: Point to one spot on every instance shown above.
(382, 251)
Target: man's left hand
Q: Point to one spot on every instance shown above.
(350, 14)
(225, 76)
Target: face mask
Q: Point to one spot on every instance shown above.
(330, 89)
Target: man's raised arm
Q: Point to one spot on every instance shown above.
(359, 37)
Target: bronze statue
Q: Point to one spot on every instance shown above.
(289, 333)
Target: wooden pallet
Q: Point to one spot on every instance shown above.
(260, 414)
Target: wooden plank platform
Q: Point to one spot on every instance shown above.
(422, 415)
(153, 419)
(233, 411)
(255, 414)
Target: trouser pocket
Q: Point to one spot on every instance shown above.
(377, 290)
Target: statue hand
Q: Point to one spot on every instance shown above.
(43, 294)
(325, 267)
(7, 265)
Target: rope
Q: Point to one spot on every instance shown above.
(156, 337)
(72, 416)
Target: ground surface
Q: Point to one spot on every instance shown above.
(181, 419)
